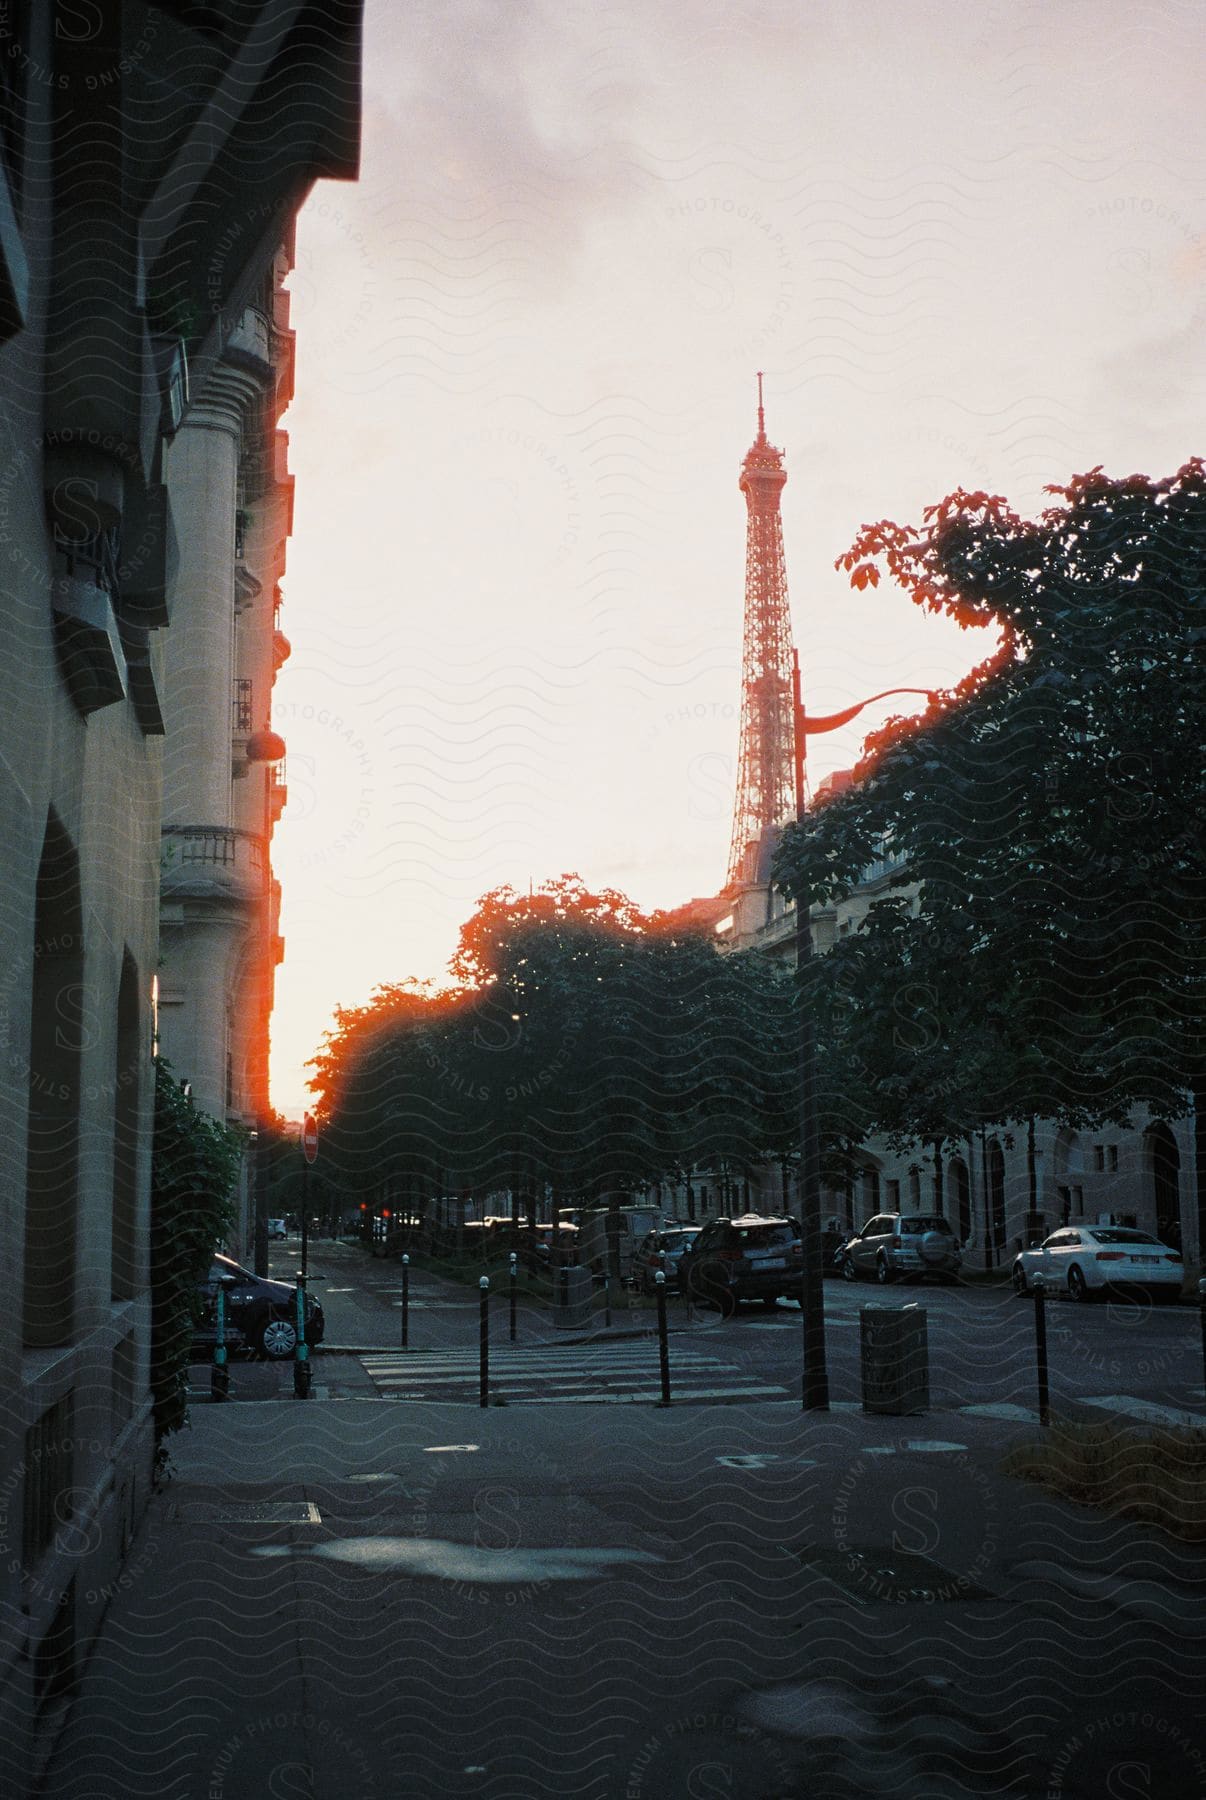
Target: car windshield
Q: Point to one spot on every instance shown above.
(925, 1222)
(1121, 1236)
(764, 1237)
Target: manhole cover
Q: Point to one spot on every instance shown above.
(247, 1512)
(875, 1573)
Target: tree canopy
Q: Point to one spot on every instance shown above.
(587, 1047)
(1050, 807)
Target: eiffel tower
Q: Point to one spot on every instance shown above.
(766, 797)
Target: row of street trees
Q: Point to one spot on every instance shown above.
(587, 1049)
(1051, 808)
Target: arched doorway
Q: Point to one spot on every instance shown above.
(1068, 1167)
(960, 1182)
(58, 1025)
(1162, 1166)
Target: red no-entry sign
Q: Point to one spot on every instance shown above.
(309, 1137)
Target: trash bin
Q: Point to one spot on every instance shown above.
(572, 1293)
(895, 1359)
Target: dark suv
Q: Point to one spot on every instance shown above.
(754, 1257)
(262, 1313)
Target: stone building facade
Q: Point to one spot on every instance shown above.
(224, 774)
(151, 158)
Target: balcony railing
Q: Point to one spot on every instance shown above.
(243, 707)
(214, 859)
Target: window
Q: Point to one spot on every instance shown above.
(1112, 1158)
(1099, 1157)
(894, 1195)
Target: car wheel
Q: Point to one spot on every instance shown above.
(883, 1273)
(770, 1300)
(849, 1272)
(1019, 1279)
(278, 1339)
(1078, 1287)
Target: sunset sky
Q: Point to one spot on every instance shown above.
(966, 243)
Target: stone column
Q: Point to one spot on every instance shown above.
(202, 473)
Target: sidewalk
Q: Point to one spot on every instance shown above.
(341, 1598)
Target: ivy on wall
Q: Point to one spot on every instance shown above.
(194, 1169)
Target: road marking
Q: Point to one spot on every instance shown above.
(1001, 1409)
(1147, 1410)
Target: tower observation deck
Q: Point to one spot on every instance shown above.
(766, 798)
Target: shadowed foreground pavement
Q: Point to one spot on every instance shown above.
(358, 1598)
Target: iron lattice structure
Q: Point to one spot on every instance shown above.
(766, 791)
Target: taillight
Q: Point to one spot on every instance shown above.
(797, 1249)
(1174, 1258)
(1111, 1256)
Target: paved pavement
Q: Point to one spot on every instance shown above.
(349, 1598)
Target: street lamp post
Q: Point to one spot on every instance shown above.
(812, 1292)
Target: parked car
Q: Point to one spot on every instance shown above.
(893, 1246)
(1084, 1260)
(674, 1241)
(276, 1229)
(263, 1312)
(754, 1257)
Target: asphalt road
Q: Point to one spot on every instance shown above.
(1120, 1354)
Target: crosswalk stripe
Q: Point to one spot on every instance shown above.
(584, 1373)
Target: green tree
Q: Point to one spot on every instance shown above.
(591, 1050)
(194, 1167)
(1052, 805)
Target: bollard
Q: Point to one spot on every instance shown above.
(663, 1344)
(514, 1280)
(607, 1299)
(301, 1356)
(484, 1285)
(405, 1302)
(219, 1380)
(1040, 1349)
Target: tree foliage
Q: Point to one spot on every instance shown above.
(1051, 807)
(194, 1168)
(588, 1048)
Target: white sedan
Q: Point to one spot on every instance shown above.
(1082, 1260)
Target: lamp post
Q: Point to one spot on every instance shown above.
(815, 1393)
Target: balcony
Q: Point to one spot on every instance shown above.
(213, 862)
(249, 345)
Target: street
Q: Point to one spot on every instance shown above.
(1123, 1355)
